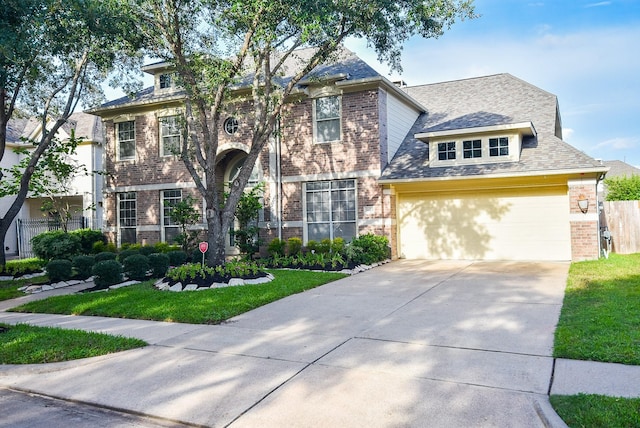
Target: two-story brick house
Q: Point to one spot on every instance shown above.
(356, 153)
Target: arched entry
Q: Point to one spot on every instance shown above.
(233, 163)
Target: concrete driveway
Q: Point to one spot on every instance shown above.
(407, 344)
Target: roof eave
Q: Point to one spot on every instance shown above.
(526, 128)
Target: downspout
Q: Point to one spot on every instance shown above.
(278, 179)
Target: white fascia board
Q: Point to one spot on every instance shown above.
(527, 128)
(386, 84)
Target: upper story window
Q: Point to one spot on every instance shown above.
(170, 135)
(499, 146)
(472, 149)
(165, 81)
(230, 125)
(126, 140)
(327, 123)
(447, 151)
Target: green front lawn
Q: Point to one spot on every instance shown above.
(600, 318)
(9, 288)
(212, 306)
(25, 344)
(600, 321)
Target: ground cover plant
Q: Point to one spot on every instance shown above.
(25, 344)
(600, 318)
(198, 307)
(597, 411)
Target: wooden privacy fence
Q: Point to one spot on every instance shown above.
(623, 220)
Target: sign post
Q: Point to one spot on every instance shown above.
(203, 246)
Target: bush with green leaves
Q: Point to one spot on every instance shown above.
(106, 273)
(106, 255)
(145, 250)
(312, 246)
(122, 255)
(294, 246)
(368, 249)
(83, 266)
(136, 267)
(324, 246)
(23, 266)
(56, 244)
(101, 247)
(277, 247)
(338, 246)
(177, 257)
(159, 264)
(88, 238)
(165, 247)
(59, 270)
(233, 269)
(625, 188)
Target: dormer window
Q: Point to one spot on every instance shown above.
(499, 146)
(164, 81)
(472, 149)
(447, 151)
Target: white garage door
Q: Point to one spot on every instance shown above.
(530, 224)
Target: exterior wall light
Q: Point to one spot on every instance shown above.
(583, 203)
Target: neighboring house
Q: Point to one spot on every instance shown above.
(84, 196)
(470, 169)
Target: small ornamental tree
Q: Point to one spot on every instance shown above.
(247, 212)
(623, 188)
(186, 216)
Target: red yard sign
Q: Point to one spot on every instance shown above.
(204, 246)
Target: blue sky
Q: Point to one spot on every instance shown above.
(585, 52)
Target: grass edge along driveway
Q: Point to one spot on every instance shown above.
(600, 321)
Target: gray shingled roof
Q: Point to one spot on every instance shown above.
(619, 168)
(86, 125)
(486, 101)
(347, 62)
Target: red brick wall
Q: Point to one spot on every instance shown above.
(584, 226)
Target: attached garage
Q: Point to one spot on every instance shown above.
(498, 224)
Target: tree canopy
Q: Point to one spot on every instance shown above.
(232, 51)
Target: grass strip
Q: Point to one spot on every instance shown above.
(9, 288)
(600, 318)
(25, 344)
(144, 301)
(595, 411)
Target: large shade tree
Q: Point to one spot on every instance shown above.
(227, 51)
(53, 55)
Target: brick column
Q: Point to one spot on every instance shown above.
(584, 225)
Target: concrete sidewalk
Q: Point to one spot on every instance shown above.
(406, 344)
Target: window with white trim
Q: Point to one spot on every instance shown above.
(170, 229)
(499, 146)
(170, 135)
(127, 217)
(126, 140)
(472, 149)
(327, 123)
(330, 210)
(165, 81)
(447, 151)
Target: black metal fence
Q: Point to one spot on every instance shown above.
(28, 228)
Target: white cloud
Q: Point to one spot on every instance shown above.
(618, 143)
(599, 4)
(567, 133)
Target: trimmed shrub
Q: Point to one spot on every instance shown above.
(106, 273)
(83, 266)
(324, 246)
(59, 270)
(107, 255)
(136, 266)
(145, 250)
(337, 246)
(368, 249)
(312, 246)
(277, 247)
(165, 247)
(89, 237)
(23, 266)
(177, 257)
(124, 254)
(294, 245)
(56, 245)
(101, 247)
(159, 264)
